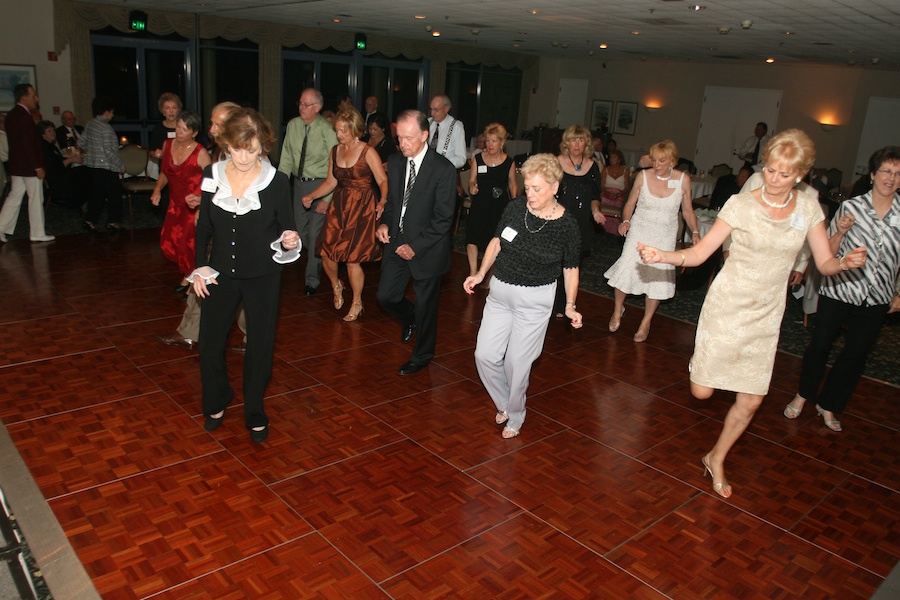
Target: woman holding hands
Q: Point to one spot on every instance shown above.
(536, 240)
(737, 334)
(653, 205)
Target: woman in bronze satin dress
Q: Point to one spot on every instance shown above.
(349, 232)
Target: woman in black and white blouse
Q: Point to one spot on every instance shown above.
(246, 214)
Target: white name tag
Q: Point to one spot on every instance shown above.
(798, 222)
(509, 234)
(170, 135)
(482, 168)
(674, 184)
(895, 221)
(209, 185)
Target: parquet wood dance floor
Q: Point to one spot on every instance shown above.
(375, 485)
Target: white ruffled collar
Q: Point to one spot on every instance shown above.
(223, 197)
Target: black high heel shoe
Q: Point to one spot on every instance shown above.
(213, 423)
(88, 226)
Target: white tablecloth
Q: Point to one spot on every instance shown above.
(702, 187)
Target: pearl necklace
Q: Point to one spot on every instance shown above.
(546, 220)
(666, 178)
(762, 193)
(578, 166)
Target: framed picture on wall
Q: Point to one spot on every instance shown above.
(625, 118)
(601, 114)
(10, 77)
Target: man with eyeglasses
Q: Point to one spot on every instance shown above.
(304, 158)
(446, 134)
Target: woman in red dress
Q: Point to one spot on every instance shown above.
(181, 168)
(349, 231)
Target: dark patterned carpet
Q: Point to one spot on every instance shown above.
(883, 363)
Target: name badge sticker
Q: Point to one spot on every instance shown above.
(673, 185)
(482, 168)
(209, 185)
(798, 222)
(509, 234)
(170, 135)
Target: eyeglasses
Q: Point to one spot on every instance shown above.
(888, 173)
(307, 104)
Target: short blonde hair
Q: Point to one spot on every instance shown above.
(352, 119)
(667, 148)
(793, 148)
(545, 165)
(498, 130)
(574, 132)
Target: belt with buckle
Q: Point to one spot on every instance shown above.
(305, 179)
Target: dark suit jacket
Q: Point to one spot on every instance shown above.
(429, 213)
(25, 151)
(62, 136)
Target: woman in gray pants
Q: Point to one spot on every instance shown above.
(535, 240)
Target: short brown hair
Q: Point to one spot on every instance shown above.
(667, 148)
(242, 126)
(792, 147)
(352, 119)
(573, 132)
(169, 97)
(545, 165)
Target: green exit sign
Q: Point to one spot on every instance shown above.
(138, 20)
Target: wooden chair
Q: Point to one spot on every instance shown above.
(137, 182)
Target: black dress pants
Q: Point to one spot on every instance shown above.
(423, 313)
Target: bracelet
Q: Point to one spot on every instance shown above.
(841, 262)
(572, 304)
(682, 259)
(626, 221)
(693, 233)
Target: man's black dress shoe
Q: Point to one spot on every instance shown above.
(408, 332)
(259, 436)
(410, 367)
(309, 290)
(211, 423)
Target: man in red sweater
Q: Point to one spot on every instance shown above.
(26, 167)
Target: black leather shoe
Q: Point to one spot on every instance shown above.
(176, 339)
(259, 436)
(410, 367)
(211, 424)
(239, 348)
(310, 290)
(408, 333)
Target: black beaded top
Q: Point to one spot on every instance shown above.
(534, 252)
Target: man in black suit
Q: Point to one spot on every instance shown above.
(415, 228)
(68, 134)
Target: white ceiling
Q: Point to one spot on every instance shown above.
(837, 32)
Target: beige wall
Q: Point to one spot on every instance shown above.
(809, 94)
(26, 36)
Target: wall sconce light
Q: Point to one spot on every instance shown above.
(723, 29)
(828, 127)
(651, 109)
(746, 24)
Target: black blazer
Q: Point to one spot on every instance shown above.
(240, 244)
(62, 136)
(429, 213)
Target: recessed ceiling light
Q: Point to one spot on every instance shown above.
(635, 33)
(604, 46)
(534, 11)
(788, 32)
(435, 34)
(697, 7)
(335, 20)
(770, 60)
(420, 16)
